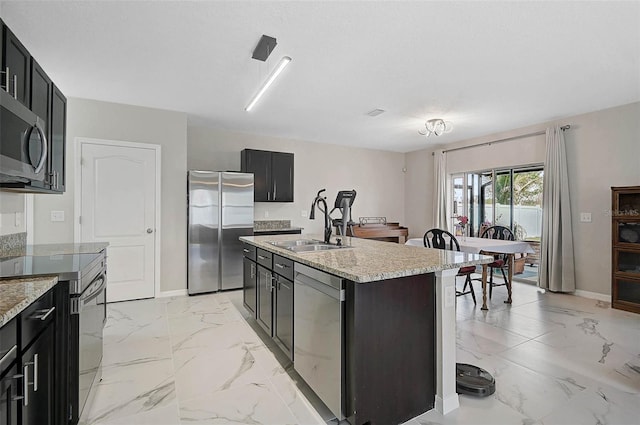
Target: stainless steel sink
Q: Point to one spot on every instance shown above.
(298, 242)
(305, 245)
(321, 246)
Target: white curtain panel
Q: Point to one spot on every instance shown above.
(440, 219)
(557, 272)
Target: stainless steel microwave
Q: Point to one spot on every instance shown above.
(23, 143)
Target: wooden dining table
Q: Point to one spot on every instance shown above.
(485, 246)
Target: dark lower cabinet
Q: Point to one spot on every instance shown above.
(283, 327)
(38, 370)
(249, 288)
(265, 299)
(9, 396)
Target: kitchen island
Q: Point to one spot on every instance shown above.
(397, 321)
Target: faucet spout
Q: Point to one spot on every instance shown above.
(327, 220)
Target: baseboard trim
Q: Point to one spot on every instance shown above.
(593, 295)
(174, 293)
(447, 405)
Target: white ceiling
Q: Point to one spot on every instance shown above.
(484, 66)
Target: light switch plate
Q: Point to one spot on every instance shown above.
(57, 215)
(585, 217)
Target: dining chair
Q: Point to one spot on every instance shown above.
(501, 261)
(441, 239)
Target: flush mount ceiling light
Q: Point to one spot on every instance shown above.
(435, 126)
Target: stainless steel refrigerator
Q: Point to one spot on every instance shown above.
(220, 211)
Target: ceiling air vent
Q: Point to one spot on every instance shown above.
(375, 112)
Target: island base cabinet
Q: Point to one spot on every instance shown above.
(9, 396)
(38, 368)
(249, 295)
(265, 299)
(390, 354)
(283, 332)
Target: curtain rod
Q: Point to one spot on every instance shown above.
(537, 133)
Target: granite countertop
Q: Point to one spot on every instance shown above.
(18, 294)
(370, 260)
(65, 248)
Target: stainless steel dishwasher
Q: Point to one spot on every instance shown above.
(318, 336)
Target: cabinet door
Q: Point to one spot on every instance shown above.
(16, 57)
(38, 369)
(61, 356)
(57, 139)
(9, 394)
(265, 299)
(40, 104)
(283, 329)
(282, 177)
(258, 163)
(249, 285)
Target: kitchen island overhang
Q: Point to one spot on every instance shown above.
(399, 324)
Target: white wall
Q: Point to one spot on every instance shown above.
(102, 120)
(603, 150)
(12, 213)
(377, 176)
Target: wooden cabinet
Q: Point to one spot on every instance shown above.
(57, 140)
(268, 294)
(283, 304)
(625, 233)
(38, 369)
(17, 61)
(249, 289)
(37, 92)
(273, 174)
(265, 299)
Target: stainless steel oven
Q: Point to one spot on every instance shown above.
(88, 316)
(23, 143)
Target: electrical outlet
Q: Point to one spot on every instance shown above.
(585, 217)
(304, 213)
(57, 215)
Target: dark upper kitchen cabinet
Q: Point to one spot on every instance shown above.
(40, 104)
(273, 174)
(57, 140)
(17, 61)
(37, 92)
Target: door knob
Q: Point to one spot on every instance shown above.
(149, 230)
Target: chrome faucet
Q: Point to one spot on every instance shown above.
(327, 220)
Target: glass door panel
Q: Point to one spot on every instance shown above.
(502, 189)
(527, 204)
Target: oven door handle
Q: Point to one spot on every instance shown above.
(92, 292)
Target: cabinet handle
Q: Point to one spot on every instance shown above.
(15, 86)
(245, 250)
(45, 313)
(281, 266)
(25, 384)
(253, 270)
(262, 257)
(275, 190)
(35, 372)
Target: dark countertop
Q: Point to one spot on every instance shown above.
(18, 294)
(281, 229)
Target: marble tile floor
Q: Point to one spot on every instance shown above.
(557, 359)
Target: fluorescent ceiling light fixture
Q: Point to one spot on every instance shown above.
(277, 70)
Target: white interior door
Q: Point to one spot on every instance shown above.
(118, 190)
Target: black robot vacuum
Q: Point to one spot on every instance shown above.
(474, 381)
